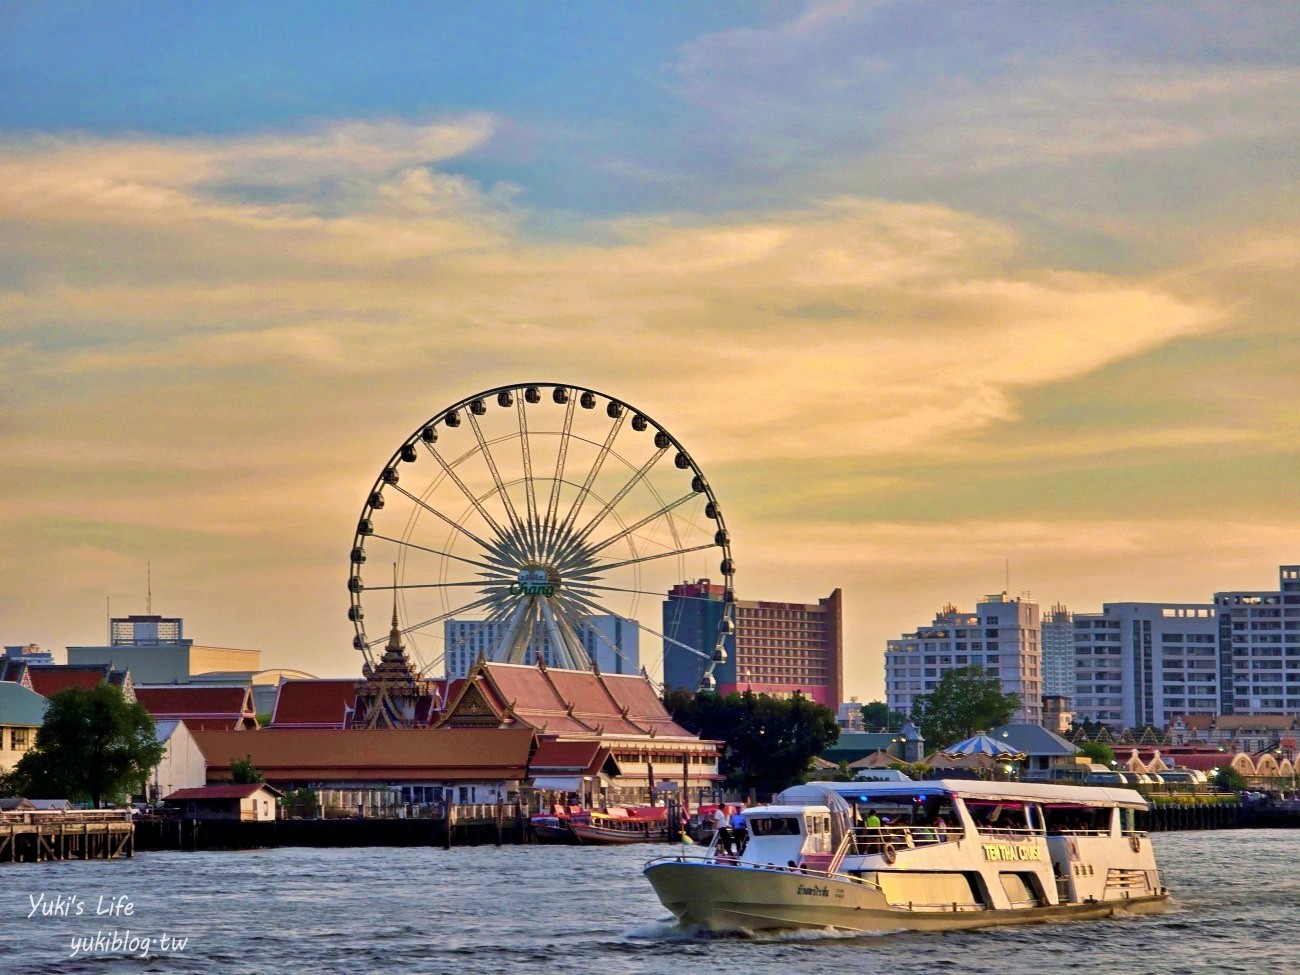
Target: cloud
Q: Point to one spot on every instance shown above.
(215, 344)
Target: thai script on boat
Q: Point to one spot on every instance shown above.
(814, 891)
(1012, 851)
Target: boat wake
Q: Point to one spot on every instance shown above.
(667, 929)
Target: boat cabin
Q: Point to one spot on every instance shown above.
(779, 835)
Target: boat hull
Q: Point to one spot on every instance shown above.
(598, 834)
(725, 897)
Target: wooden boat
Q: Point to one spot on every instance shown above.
(624, 824)
(947, 855)
(556, 826)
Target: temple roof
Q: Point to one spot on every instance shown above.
(564, 703)
(381, 754)
(201, 706)
(314, 703)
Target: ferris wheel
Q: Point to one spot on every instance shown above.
(541, 520)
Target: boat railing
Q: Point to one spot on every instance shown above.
(733, 861)
(873, 839)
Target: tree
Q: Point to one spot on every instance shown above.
(94, 744)
(244, 772)
(1099, 752)
(1228, 779)
(965, 700)
(876, 714)
(769, 742)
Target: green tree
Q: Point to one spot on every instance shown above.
(842, 771)
(1228, 779)
(244, 772)
(301, 803)
(769, 742)
(94, 744)
(1099, 752)
(965, 700)
(876, 714)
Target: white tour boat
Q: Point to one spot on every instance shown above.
(947, 854)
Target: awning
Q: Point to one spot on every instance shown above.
(559, 783)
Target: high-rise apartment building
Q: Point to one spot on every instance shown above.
(612, 643)
(1002, 636)
(778, 648)
(1143, 663)
(1259, 648)
(1058, 653)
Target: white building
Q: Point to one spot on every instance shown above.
(1002, 636)
(155, 650)
(611, 641)
(1143, 663)
(1058, 653)
(182, 765)
(1259, 648)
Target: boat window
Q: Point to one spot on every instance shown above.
(996, 816)
(1068, 818)
(774, 826)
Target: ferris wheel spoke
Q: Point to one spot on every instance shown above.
(487, 546)
(638, 525)
(613, 502)
(475, 604)
(485, 584)
(574, 509)
(530, 488)
(511, 515)
(455, 479)
(445, 555)
(561, 458)
(606, 566)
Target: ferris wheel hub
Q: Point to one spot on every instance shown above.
(536, 580)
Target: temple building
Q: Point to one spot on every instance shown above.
(640, 747)
(392, 694)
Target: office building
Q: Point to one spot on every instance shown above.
(778, 648)
(1002, 636)
(154, 649)
(612, 643)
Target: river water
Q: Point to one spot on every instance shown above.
(548, 909)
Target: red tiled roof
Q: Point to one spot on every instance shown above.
(201, 705)
(577, 755)
(389, 754)
(314, 703)
(51, 679)
(221, 791)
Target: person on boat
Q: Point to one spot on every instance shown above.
(941, 828)
(721, 827)
(739, 835)
(872, 823)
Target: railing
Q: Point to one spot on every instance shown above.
(35, 817)
(731, 861)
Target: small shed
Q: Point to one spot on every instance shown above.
(251, 802)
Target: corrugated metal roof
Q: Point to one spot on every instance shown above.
(20, 707)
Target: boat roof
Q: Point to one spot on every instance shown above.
(1008, 791)
(783, 810)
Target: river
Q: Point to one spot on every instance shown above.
(546, 909)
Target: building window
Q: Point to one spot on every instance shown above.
(20, 739)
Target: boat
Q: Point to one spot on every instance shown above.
(556, 826)
(946, 855)
(624, 824)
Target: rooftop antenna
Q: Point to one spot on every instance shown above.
(1008, 590)
(148, 594)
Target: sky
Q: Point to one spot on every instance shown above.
(934, 292)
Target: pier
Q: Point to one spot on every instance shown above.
(33, 836)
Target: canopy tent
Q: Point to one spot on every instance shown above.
(983, 744)
(938, 760)
(875, 760)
